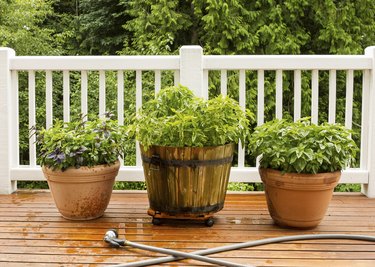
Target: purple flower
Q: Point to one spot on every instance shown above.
(57, 155)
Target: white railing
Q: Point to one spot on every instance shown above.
(191, 68)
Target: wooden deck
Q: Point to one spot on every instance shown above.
(32, 233)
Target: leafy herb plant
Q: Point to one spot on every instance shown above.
(302, 147)
(80, 143)
(176, 117)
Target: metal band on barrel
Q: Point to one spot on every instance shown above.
(156, 160)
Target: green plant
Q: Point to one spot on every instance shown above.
(80, 143)
(348, 188)
(129, 186)
(32, 185)
(176, 117)
(302, 147)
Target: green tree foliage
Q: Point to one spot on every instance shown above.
(21, 27)
(158, 27)
(161, 26)
(100, 26)
(64, 21)
(252, 27)
(88, 27)
(226, 26)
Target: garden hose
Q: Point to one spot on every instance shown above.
(247, 245)
(111, 237)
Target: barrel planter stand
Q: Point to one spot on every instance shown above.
(187, 182)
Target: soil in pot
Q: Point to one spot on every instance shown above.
(298, 200)
(83, 193)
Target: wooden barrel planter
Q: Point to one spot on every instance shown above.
(187, 182)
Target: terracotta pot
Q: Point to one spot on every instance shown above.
(298, 200)
(83, 193)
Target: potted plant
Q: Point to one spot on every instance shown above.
(80, 162)
(300, 164)
(187, 146)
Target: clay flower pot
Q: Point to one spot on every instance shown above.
(83, 193)
(296, 199)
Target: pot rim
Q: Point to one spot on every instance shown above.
(82, 168)
(300, 181)
(83, 174)
(302, 174)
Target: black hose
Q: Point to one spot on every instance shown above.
(250, 244)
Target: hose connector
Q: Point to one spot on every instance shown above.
(111, 237)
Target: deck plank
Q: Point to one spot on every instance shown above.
(32, 233)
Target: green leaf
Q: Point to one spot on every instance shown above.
(302, 147)
(186, 120)
(81, 143)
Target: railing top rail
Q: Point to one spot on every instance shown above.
(229, 62)
(288, 62)
(94, 63)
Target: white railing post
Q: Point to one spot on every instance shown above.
(191, 69)
(369, 189)
(6, 151)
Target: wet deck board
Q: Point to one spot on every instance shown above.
(32, 233)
